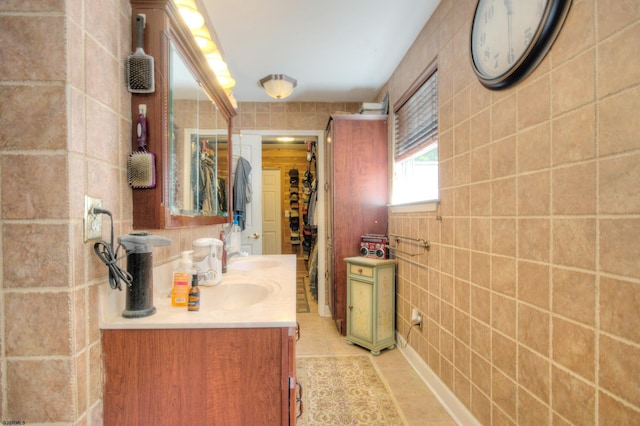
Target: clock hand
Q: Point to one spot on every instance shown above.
(508, 5)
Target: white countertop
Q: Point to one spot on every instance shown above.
(277, 273)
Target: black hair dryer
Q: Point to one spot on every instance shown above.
(139, 246)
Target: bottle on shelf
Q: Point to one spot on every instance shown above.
(194, 294)
(182, 279)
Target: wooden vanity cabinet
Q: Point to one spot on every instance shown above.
(221, 376)
(356, 198)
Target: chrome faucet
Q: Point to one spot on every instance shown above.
(230, 253)
(227, 247)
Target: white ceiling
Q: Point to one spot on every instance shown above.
(338, 50)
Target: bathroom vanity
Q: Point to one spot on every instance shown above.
(232, 362)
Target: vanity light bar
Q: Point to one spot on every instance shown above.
(196, 24)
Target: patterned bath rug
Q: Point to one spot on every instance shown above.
(344, 390)
(302, 303)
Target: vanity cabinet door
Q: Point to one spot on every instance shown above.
(197, 376)
(295, 406)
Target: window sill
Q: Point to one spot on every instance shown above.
(423, 206)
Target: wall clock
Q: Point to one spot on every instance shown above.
(509, 38)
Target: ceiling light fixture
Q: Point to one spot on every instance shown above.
(278, 86)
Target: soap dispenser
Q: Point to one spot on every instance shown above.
(182, 280)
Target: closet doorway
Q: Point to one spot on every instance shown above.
(288, 155)
(270, 147)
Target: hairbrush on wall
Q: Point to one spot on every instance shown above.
(141, 164)
(139, 65)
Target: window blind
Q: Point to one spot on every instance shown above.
(416, 120)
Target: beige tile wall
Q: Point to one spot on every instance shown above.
(532, 286)
(65, 132)
(289, 115)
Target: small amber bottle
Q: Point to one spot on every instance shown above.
(194, 294)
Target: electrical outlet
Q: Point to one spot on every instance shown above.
(415, 314)
(92, 221)
(416, 318)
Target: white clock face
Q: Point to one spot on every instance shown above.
(503, 31)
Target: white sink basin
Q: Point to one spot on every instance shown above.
(253, 264)
(261, 294)
(229, 296)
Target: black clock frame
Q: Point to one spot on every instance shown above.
(535, 53)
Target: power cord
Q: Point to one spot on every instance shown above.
(104, 251)
(415, 323)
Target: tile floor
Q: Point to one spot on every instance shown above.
(319, 336)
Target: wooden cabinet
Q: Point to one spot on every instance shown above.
(356, 196)
(219, 376)
(371, 303)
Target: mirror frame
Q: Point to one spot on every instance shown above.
(151, 209)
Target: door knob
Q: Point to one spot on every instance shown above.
(255, 236)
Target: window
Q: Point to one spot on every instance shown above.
(415, 164)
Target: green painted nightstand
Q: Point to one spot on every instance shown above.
(371, 294)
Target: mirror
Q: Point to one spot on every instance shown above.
(198, 154)
(189, 121)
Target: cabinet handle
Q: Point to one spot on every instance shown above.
(350, 307)
(299, 400)
(359, 270)
(297, 331)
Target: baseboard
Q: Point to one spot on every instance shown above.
(326, 312)
(456, 409)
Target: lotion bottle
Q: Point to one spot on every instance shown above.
(182, 279)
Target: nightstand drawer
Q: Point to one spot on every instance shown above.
(363, 271)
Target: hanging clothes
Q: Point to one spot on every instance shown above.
(203, 178)
(222, 195)
(242, 190)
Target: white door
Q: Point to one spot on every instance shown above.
(271, 212)
(249, 146)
